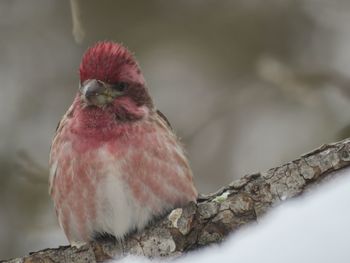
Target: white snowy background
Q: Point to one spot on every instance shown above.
(311, 228)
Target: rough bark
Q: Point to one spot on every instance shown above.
(215, 215)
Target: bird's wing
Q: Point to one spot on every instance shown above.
(53, 153)
(165, 119)
(156, 168)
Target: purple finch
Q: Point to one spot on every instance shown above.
(115, 163)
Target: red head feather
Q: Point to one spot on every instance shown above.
(111, 63)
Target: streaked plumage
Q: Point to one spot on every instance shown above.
(115, 167)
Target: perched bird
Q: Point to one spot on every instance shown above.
(115, 163)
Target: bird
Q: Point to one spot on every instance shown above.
(115, 162)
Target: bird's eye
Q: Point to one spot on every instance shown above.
(121, 86)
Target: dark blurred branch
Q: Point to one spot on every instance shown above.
(298, 84)
(26, 167)
(216, 215)
(78, 29)
(221, 110)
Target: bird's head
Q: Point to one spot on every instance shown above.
(110, 78)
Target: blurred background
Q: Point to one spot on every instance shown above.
(247, 84)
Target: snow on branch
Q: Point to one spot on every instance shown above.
(215, 215)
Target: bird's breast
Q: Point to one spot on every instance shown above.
(92, 192)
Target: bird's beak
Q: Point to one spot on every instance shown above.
(96, 92)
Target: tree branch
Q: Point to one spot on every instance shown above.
(216, 215)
